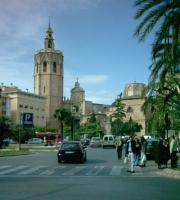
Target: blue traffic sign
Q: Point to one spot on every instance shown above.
(27, 120)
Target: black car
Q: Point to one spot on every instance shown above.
(151, 148)
(71, 151)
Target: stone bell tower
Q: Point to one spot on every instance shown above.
(48, 76)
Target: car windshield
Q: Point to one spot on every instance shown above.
(70, 146)
(96, 139)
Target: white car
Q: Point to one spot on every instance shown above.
(108, 141)
(35, 141)
(95, 142)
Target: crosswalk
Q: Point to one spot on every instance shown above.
(65, 170)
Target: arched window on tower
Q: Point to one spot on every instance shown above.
(44, 66)
(54, 67)
(49, 44)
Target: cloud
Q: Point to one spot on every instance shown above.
(101, 96)
(85, 80)
(93, 79)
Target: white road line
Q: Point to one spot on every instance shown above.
(95, 170)
(31, 170)
(5, 166)
(74, 170)
(49, 172)
(116, 170)
(7, 171)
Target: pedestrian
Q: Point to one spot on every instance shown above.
(119, 147)
(143, 152)
(130, 151)
(163, 154)
(173, 151)
(137, 152)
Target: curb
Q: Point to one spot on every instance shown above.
(170, 173)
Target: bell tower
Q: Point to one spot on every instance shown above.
(48, 76)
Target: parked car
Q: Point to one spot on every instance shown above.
(35, 141)
(95, 142)
(85, 141)
(8, 141)
(151, 148)
(71, 151)
(108, 141)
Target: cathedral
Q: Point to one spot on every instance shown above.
(48, 94)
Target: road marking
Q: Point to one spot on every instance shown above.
(95, 170)
(5, 166)
(74, 170)
(116, 170)
(31, 170)
(49, 172)
(13, 169)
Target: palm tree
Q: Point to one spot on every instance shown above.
(162, 13)
(162, 94)
(62, 116)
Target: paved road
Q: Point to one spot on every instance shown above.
(39, 176)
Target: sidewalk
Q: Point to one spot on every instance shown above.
(172, 173)
(169, 172)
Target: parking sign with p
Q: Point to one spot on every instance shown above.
(27, 120)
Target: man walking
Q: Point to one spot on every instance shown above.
(173, 151)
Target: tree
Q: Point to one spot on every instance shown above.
(62, 115)
(92, 127)
(131, 127)
(26, 133)
(5, 129)
(117, 116)
(162, 13)
(119, 112)
(162, 93)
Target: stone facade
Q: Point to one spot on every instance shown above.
(48, 76)
(133, 100)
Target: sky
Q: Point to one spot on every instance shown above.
(95, 36)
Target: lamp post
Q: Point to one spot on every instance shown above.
(20, 123)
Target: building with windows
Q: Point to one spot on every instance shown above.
(5, 105)
(25, 102)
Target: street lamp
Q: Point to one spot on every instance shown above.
(20, 123)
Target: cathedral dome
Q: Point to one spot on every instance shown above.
(77, 88)
(134, 90)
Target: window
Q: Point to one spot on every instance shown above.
(49, 44)
(44, 89)
(44, 66)
(20, 105)
(129, 109)
(26, 106)
(54, 67)
(37, 68)
(31, 107)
